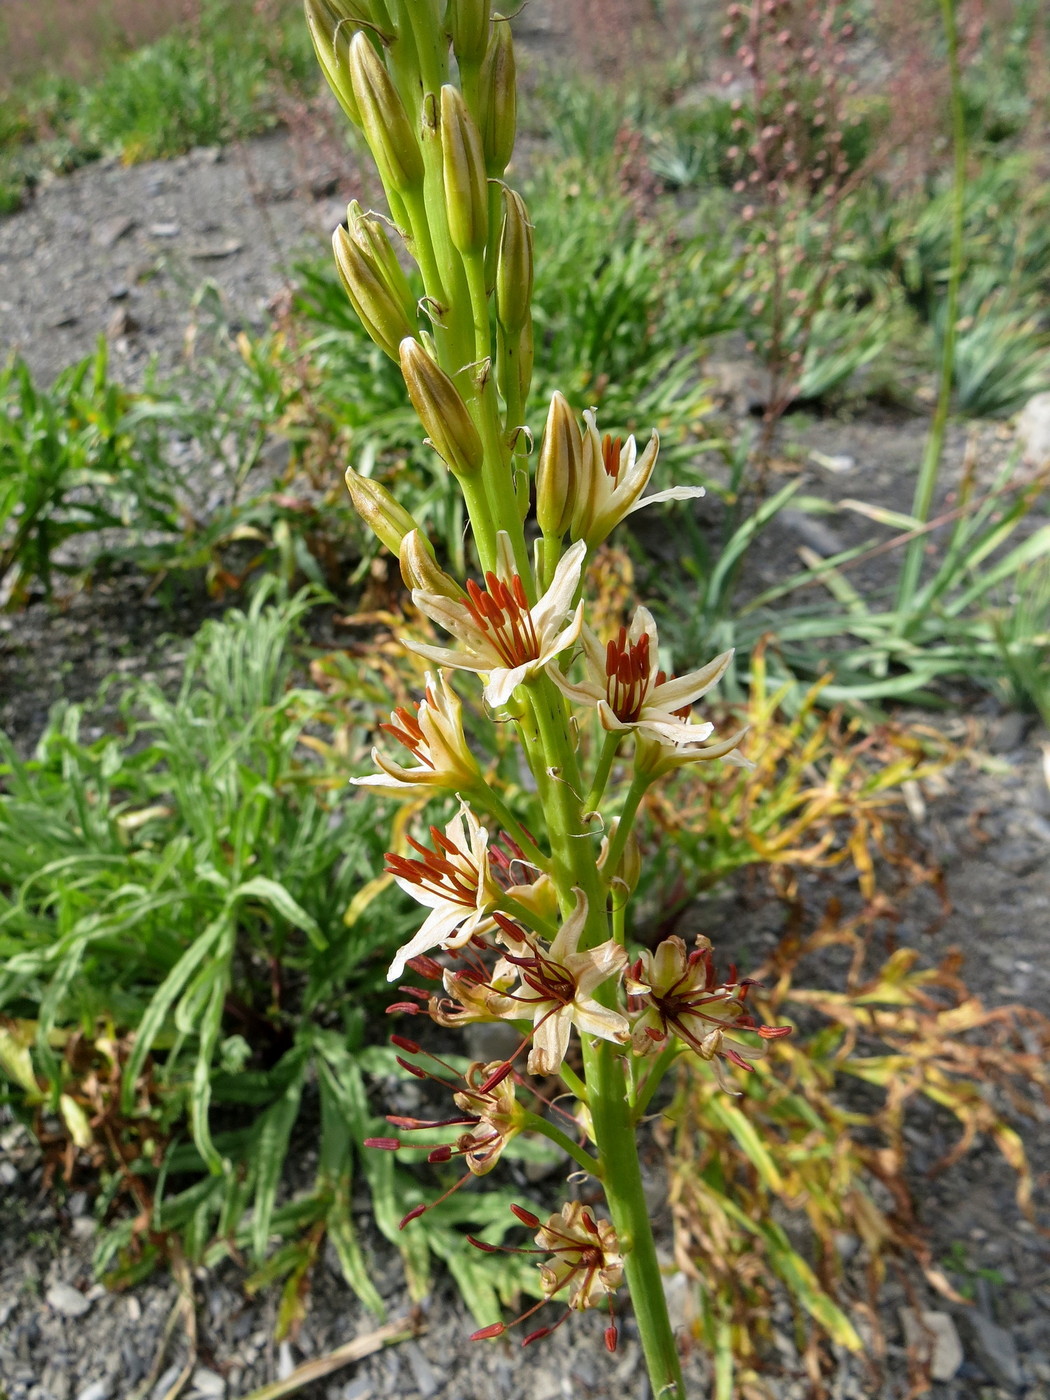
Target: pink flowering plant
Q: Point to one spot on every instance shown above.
(525, 927)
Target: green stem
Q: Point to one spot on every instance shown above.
(931, 463)
(614, 1134)
(535, 1124)
(654, 1078)
(601, 774)
(635, 793)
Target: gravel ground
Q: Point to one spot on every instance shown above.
(121, 252)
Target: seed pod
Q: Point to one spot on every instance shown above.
(558, 468)
(463, 164)
(499, 98)
(388, 521)
(514, 265)
(386, 318)
(384, 120)
(469, 27)
(441, 409)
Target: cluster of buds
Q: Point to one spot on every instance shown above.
(525, 886)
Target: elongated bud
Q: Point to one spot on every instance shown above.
(330, 34)
(466, 188)
(420, 570)
(384, 316)
(558, 468)
(372, 238)
(384, 120)
(469, 27)
(499, 98)
(514, 265)
(442, 412)
(387, 520)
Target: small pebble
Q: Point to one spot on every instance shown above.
(67, 1300)
(97, 1390)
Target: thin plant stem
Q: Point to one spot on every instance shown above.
(931, 463)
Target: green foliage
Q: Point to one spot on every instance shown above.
(79, 458)
(173, 905)
(210, 82)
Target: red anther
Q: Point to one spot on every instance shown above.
(484, 1247)
(412, 1069)
(588, 1222)
(535, 1336)
(497, 1078)
(440, 1154)
(402, 1008)
(403, 1043)
(773, 1032)
(611, 1338)
(526, 1217)
(494, 1329)
(397, 1121)
(426, 967)
(417, 992)
(386, 1144)
(413, 1214)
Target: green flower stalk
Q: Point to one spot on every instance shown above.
(525, 897)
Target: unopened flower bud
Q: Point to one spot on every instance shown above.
(388, 520)
(463, 163)
(442, 411)
(469, 25)
(420, 570)
(558, 468)
(384, 316)
(514, 265)
(374, 241)
(330, 35)
(499, 98)
(383, 118)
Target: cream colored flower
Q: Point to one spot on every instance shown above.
(434, 734)
(454, 881)
(623, 679)
(499, 634)
(556, 986)
(611, 480)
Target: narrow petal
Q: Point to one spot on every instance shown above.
(556, 602)
(445, 656)
(550, 1042)
(501, 685)
(592, 1018)
(672, 493)
(683, 690)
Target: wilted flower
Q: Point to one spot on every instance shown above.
(680, 995)
(587, 1256)
(611, 480)
(434, 735)
(454, 882)
(623, 679)
(587, 1259)
(500, 634)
